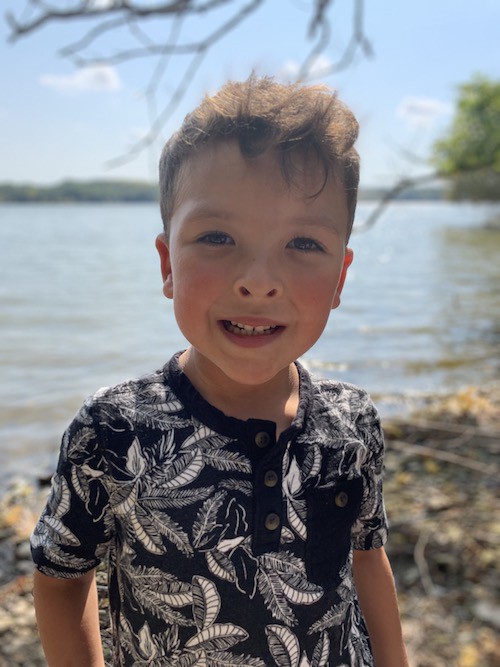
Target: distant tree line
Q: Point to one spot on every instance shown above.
(136, 191)
(81, 191)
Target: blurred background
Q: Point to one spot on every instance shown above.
(90, 92)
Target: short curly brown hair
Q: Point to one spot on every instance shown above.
(264, 115)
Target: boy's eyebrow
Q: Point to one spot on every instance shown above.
(207, 212)
(316, 220)
(331, 223)
(203, 211)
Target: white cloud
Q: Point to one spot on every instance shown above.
(422, 111)
(102, 4)
(98, 78)
(291, 68)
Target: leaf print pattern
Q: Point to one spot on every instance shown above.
(293, 491)
(220, 565)
(320, 657)
(213, 639)
(160, 596)
(206, 602)
(226, 461)
(285, 649)
(184, 471)
(206, 518)
(155, 650)
(56, 527)
(219, 636)
(152, 478)
(59, 504)
(282, 582)
(284, 646)
(135, 463)
(219, 659)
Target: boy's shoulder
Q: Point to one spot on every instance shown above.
(135, 394)
(346, 411)
(132, 386)
(342, 396)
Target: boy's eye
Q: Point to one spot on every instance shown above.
(215, 238)
(306, 244)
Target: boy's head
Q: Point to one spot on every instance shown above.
(262, 115)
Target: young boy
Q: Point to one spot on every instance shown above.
(238, 500)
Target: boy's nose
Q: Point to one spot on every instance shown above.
(258, 280)
(246, 292)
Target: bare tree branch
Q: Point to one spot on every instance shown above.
(184, 84)
(163, 62)
(486, 469)
(317, 50)
(401, 186)
(160, 120)
(319, 17)
(71, 50)
(357, 42)
(110, 17)
(87, 9)
(154, 49)
(421, 562)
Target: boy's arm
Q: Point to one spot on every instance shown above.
(68, 620)
(377, 598)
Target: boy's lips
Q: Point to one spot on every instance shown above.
(251, 327)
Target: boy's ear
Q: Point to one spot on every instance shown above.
(348, 257)
(165, 264)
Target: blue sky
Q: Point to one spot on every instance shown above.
(57, 121)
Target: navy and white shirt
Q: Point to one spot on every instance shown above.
(225, 545)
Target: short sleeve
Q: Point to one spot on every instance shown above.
(73, 532)
(370, 528)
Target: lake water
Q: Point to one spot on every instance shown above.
(81, 307)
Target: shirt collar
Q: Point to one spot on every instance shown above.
(215, 419)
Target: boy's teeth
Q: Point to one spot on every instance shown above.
(247, 329)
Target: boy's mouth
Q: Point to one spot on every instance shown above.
(249, 330)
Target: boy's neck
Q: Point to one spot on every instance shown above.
(276, 400)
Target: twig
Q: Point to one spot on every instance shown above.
(357, 41)
(435, 425)
(184, 84)
(421, 562)
(403, 185)
(161, 119)
(87, 10)
(488, 469)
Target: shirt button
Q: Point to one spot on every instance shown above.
(272, 521)
(270, 478)
(341, 499)
(262, 439)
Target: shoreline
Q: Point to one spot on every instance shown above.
(390, 405)
(441, 489)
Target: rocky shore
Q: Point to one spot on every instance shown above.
(442, 498)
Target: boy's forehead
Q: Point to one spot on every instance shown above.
(223, 160)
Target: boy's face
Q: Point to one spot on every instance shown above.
(254, 266)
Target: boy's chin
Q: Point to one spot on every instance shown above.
(244, 373)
